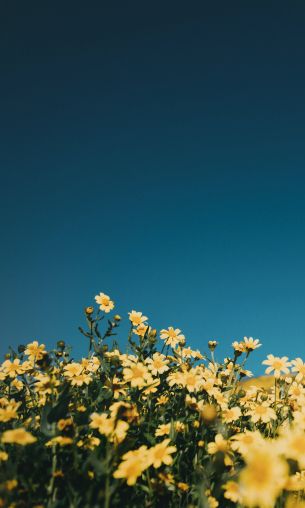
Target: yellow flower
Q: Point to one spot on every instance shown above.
(73, 369)
(16, 383)
(250, 344)
(18, 436)
(133, 464)
(294, 502)
(137, 318)
(208, 412)
(163, 429)
(296, 482)
(277, 365)
(183, 486)
(104, 302)
(91, 364)
(175, 378)
(232, 414)
(166, 478)
(9, 412)
(141, 329)
(299, 418)
(163, 399)
(3, 456)
(59, 440)
(10, 484)
(263, 477)
(158, 364)
(262, 412)
(172, 336)
(296, 391)
(244, 440)
(179, 426)
(161, 454)
(152, 386)
(191, 380)
(119, 431)
(81, 408)
(12, 369)
(35, 351)
(299, 367)
(63, 423)
(231, 491)
(239, 347)
(212, 502)
(292, 444)
(80, 380)
(220, 445)
(187, 352)
(102, 423)
(136, 374)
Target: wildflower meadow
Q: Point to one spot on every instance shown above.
(156, 425)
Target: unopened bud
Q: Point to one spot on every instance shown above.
(208, 413)
(61, 344)
(212, 345)
(117, 317)
(241, 394)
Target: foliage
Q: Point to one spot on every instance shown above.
(159, 425)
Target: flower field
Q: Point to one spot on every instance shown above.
(158, 425)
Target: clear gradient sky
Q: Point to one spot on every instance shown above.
(154, 151)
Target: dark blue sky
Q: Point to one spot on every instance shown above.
(154, 151)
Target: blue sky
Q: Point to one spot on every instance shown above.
(156, 153)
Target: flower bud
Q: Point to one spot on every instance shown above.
(208, 413)
(241, 394)
(89, 310)
(61, 344)
(212, 345)
(117, 317)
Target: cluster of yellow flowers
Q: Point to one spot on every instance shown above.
(160, 424)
